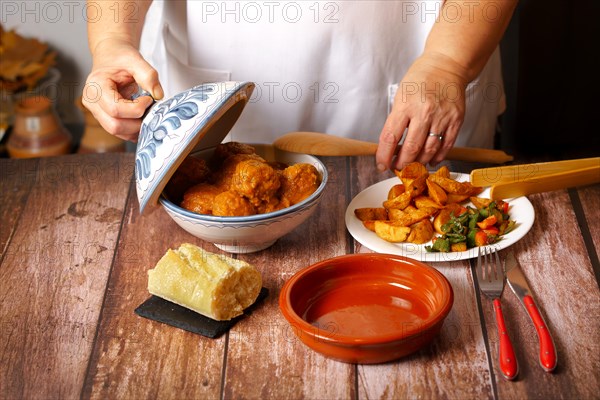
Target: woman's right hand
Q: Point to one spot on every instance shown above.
(118, 68)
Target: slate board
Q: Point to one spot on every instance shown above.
(161, 310)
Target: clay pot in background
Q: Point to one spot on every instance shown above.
(37, 130)
(95, 139)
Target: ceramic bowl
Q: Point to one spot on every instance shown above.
(255, 232)
(366, 308)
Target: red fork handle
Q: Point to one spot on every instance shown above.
(508, 361)
(548, 358)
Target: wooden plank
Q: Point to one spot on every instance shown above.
(364, 174)
(17, 177)
(134, 357)
(457, 354)
(265, 359)
(590, 201)
(556, 264)
(54, 274)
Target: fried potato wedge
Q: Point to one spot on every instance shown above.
(399, 202)
(450, 185)
(396, 191)
(480, 202)
(396, 214)
(391, 231)
(410, 208)
(370, 225)
(411, 172)
(411, 216)
(460, 246)
(371, 213)
(443, 171)
(474, 190)
(417, 186)
(436, 192)
(420, 232)
(456, 198)
(426, 201)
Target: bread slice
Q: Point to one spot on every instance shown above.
(213, 285)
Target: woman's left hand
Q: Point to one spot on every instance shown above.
(428, 110)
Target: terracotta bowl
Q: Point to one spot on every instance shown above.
(366, 308)
(255, 232)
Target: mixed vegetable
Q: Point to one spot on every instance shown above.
(468, 227)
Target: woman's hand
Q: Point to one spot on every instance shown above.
(117, 71)
(430, 102)
(428, 110)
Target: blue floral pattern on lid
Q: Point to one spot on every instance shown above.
(174, 127)
(167, 117)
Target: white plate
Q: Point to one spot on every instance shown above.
(520, 211)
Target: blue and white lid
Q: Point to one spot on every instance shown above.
(195, 119)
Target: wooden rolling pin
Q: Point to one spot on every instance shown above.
(321, 144)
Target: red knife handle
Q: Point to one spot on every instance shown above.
(548, 358)
(508, 361)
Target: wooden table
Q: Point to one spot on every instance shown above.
(75, 252)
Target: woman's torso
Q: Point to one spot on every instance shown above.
(318, 65)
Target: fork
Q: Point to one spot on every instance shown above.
(490, 276)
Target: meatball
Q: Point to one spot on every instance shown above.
(231, 204)
(298, 182)
(270, 206)
(191, 171)
(241, 183)
(255, 180)
(226, 150)
(200, 198)
(226, 172)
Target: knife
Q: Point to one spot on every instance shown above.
(518, 284)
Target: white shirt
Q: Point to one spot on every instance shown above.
(323, 66)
